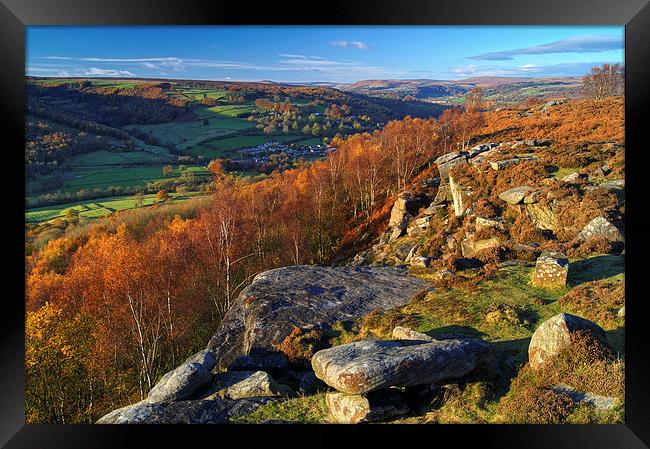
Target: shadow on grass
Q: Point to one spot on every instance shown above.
(596, 268)
(502, 365)
(455, 331)
(616, 339)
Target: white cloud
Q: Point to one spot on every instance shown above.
(327, 69)
(46, 71)
(94, 71)
(525, 70)
(574, 44)
(359, 45)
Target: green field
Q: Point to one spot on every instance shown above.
(103, 157)
(187, 134)
(103, 177)
(96, 208)
(199, 94)
(232, 110)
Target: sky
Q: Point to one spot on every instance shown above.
(340, 54)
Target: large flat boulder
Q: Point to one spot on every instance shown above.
(218, 411)
(306, 296)
(370, 365)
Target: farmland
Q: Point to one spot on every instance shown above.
(93, 144)
(97, 208)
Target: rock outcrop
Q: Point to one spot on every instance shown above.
(556, 334)
(449, 160)
(305, 296)
(365, 366)
(406, 206)
(461, 196)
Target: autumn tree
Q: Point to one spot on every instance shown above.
(603, 81)
(167, 170)
(162, 195)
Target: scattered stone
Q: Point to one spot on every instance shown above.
(402, 251)
(433, 209)
(614, 184)
(551, 270)
(181, 383)
(406, 333)
(419, 225)
(600, 172)
(420, 261)
(305, 296)
(543, 216)
(575, 178)
(537, 143)
(489, 223)
(548, 105)
(364, 366)
(451, 243)
(373, 406)
(516, 195)
(411, 253)
(443, 195)
(501, 165)
(470, 247)
(533, 197)
(247, 384)
(597, 401)
(481, 148)
(555, 334)
(444, 275)
(600, 227)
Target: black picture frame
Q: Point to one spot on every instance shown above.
(633, 14)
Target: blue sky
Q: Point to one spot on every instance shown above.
(323, 53)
